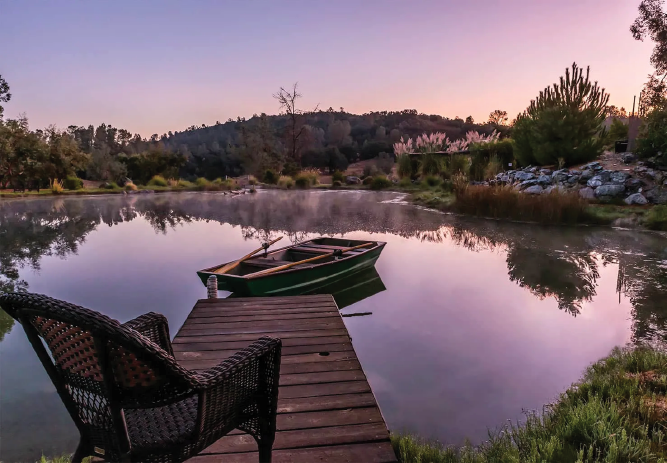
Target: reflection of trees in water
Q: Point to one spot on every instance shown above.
(549, 262)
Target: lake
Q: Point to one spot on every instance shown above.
(472, 321)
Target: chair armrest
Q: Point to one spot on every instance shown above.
(250, 375)
(153, 326)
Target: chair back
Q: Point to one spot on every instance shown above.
(98, 366)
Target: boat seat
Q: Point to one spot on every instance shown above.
(319, 250)
(270, 263)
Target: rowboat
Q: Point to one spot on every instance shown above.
(295, 269)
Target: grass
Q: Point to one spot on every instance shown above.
(656, 218)
(285, 182)
(302, 181)
(129, 186)
(380, 182)
(158, 180)
(615, 414)
(436, 199)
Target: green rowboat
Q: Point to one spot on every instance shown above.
(249, 278)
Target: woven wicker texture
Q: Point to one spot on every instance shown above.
(130, 399)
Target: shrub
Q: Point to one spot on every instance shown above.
(72, 182)
(564, 121)
(385, 163)
(652, 140)
(617, 131)
(432, 164)
(459, 164)
(481, 153)
(506, 202)
(291, 168)
(56, 186)
(202, 183)
(656, 218)
(493, 168)
(432, 180)
(313, 175)
(109, 186)
(285, 181)
(337, 183)
(370, 170)
(129, 186)
(338, 176)
(270, 176)
(367, 180)
(158, 180)
(184, 184)
(302, 181)
(380, 182)
(405, 166)
(252, 180)
(405, 182)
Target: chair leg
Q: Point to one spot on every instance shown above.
(265, 452)
(82, 451)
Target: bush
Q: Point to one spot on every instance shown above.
(291, 168)
(405, 166)
(432, 164)
(337, 183)
(158, 180)
(184, 184)
(432, 181)
(109, 186)
(56, 186)
(367, 180)
(480, 154)
(506, 202)
(370, 170)
(380, 182)
(302, 181)
(129, 186)
(617, 131)
(338, 176)
(201, 182)
(564, 121)
(270, 176)
(459, 164)
(252, 180)
(72, 182)
(493, 168)
(313, 175)
(656, 218)
(285, 182)
(405, 182)
(652, 140)
(385, 163)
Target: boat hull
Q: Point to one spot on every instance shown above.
(297, 281)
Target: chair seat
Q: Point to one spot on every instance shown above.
(162, 426)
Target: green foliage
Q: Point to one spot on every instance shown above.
(338, 176)
(380, 182)
(432, 181)
(158, 180)
(252, 180)
(656, 218)
(185, 184)
(493, 168)
(405, 182)
(302, 181)
(270, 176)
(201, 182)
(459, 164)
(564, 121)
(156, 161)
(109, 186)
(337, 183)
(652, 140)
(405, 166)
(385, 163)
(481, 154)
(370, 170)
(285, 182)
(432, 164)
(129, 186)
(367, 180)
(291, 168)
(617, 131)
(326, 158)
(373, 149)
(56, 186)
(72, 182)
(5, 96)
(614, 415)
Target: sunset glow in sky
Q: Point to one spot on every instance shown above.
(152, 66)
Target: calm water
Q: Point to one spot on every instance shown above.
(479, 320)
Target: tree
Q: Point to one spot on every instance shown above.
(338, 133)
(5, 96)
(498, 117)
(652, 23)
(613, 111)
(288, 100)
(470, 120)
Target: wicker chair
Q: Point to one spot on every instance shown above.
(128, 396)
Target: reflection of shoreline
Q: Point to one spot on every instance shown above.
(553, 262)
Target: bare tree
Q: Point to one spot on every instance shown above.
(288, 100)
(498, 117)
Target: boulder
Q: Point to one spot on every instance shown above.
(532, 170)
(594, 182)
(605, 175)
(628, 158)
(523, 176)
(544, 171)
(544, 180)
(656, 195)
(527, 183)
(352, 180)
(587, 193)
(609, 190)
(633, 184)
(636, 198)
(586, 175)
(534, 190)
(573, 179)
(560, 175)
(618, 177)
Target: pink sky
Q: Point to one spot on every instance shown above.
(165, 65)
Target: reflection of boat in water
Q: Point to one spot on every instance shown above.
(349, 290)
(297, 269)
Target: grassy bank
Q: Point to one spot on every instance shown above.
(616, 414)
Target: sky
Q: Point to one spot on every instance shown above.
(154, 66)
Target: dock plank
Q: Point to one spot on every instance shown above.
(326, 409)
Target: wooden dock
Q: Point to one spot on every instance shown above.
(326, 409)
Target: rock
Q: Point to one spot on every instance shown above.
(595, 182)
(618, 177)
(575, 172)
(544, 180)
(525, 184)
(605, 175)
(609, 190)
(546, 171)
(573, 179)
(651, 173)
(587, 193)
(146, 192)
(532, 170)
(633, 184)
(626, 222)
(586, 175)
(592, 165)
(352, 180)
(560, 175)
(504, 178)
(523, 176)
(628, 158)
(534, 190)
(656, 196)
(636, 198)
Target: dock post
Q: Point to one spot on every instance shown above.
(212, 287)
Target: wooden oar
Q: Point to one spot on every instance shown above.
(233, 265)
(311, 259)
